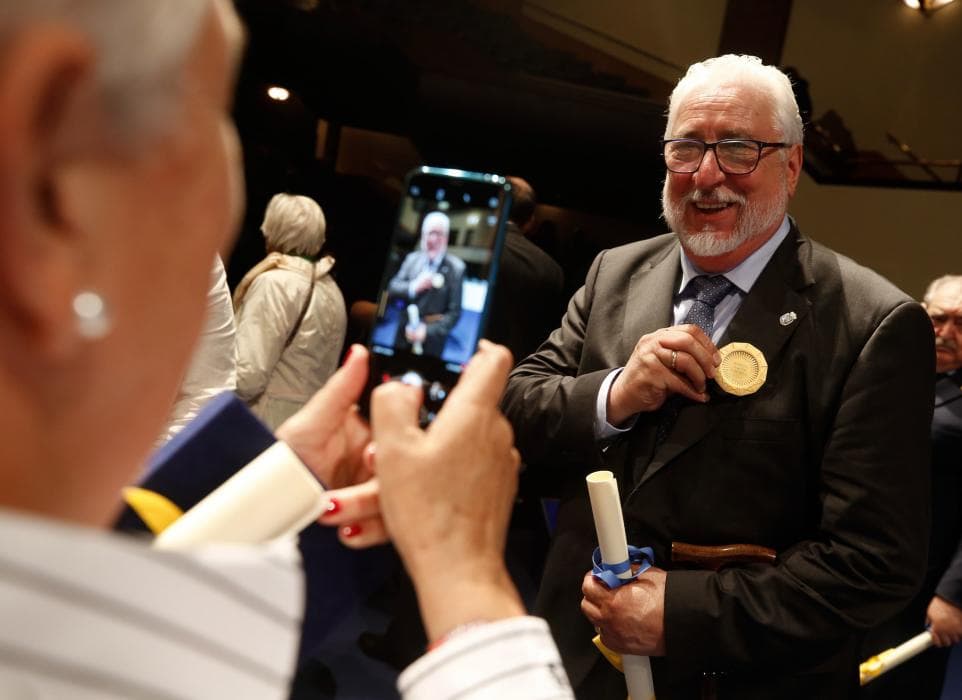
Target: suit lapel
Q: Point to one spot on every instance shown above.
(774, 308)
(649, 301)
(760, 320)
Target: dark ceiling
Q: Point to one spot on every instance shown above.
(466, 84)
(469, 87)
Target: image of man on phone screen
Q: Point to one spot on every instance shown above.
(429, 282)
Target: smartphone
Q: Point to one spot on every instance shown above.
(438, 281)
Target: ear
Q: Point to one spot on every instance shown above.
(46, 93)
(794, 167)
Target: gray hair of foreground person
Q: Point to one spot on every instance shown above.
(746, 71)
(294, 224)
(141, 47)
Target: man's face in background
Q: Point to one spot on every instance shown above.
(944, 306)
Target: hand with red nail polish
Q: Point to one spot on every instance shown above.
(356, 510)
(332, 508)
(446, 493)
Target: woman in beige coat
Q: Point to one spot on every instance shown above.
(291, 319)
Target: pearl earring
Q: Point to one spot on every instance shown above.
(91, 318)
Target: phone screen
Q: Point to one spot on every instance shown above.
(438, 280)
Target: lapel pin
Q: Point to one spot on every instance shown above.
(788, 319)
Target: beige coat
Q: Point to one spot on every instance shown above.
(276, 381)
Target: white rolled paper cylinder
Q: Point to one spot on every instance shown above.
(273, 496)
(610, 526)
(414, 320)
(890, 658)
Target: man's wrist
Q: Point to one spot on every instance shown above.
(615, 416)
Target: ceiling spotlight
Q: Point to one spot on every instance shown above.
(926, 5)
(276, 92)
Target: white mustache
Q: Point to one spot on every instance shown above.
(720, 195)
(945, 343)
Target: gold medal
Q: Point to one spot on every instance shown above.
(743, 369)
(437, 280)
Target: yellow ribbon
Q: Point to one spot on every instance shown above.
(613, 656)
(157, 512)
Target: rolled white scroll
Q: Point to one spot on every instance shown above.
(414, 320)
(876, 665)
(273, 496)
(610, 526)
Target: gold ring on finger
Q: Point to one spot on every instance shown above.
(674, 359)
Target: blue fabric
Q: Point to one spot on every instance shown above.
(608, 573)
(463, 338)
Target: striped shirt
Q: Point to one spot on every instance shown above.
(88, 614)
(510, 659)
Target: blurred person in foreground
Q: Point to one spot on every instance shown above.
(938, 606)
(291, 319)
(819, 458)
(117, 156)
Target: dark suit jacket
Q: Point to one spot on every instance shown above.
(527, 302)
(443, 302)
(945, 558)
(825, 464)
(921, 677)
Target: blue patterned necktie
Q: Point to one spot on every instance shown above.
(708, 292)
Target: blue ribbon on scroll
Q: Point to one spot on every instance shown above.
(608, 573)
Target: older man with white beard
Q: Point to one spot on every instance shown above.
(746, 385)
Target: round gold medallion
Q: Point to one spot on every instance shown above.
(743, 369)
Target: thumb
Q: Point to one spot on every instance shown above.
(395, 410)
(344, 387)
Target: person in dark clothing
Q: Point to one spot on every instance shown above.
(939, 602)
(528, 299)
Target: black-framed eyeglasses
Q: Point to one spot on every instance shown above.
(734, 156)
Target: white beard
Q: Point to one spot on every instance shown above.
(754, 218)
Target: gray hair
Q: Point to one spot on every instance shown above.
(436, 218)
(944, 281)
(294, 224)
(747, 71)
(141, 46)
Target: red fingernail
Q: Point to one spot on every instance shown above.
(333, 506)
(351, 530)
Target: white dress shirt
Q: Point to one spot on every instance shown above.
(90, 614)
(511, 659)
